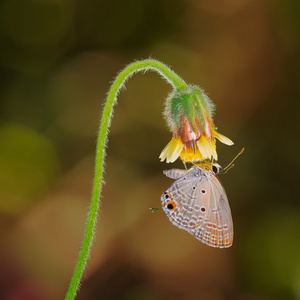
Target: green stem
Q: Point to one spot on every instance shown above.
(120, 80)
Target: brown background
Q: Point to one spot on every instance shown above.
(57, 61)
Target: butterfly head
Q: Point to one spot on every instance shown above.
(210, 167)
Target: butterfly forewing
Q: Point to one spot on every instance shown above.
(217, 229)
(197, 203)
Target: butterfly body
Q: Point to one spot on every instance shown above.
(197, 203)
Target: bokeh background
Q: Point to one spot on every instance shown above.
(57, 61)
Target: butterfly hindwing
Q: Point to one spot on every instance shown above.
(180, 203)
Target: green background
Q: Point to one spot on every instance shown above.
(57, 61)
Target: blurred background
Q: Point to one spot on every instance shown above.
(58, 59)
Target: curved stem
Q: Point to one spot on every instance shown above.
(119, 82)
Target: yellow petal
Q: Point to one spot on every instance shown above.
(191, 155)
(172, 151)
(178, 147)
(166, 150)
(164, 153)
(222, 138)
(201, 146)
(207, 148)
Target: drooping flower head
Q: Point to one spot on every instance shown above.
(189, 116)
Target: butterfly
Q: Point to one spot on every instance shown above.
(197, 203)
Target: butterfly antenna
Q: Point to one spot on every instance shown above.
(154, 209)
(231, 164)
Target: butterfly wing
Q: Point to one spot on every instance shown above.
(217, 228)
(198, 204)
(175, 173)
(179, 202)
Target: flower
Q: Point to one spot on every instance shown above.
(189, 116)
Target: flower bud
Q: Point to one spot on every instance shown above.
(189, 116)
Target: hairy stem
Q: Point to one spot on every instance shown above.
(144, 65)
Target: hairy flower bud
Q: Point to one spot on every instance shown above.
(189, 116)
